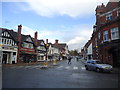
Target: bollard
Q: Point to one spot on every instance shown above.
(54, 62)
(46, 64)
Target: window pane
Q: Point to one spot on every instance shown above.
(114, 33)
(106, 35)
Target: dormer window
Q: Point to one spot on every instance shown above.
(109, 16)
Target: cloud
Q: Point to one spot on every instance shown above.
(78, 36)
(72, 8)
(76, 40)
(42, 34)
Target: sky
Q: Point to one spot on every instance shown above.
(69, 21)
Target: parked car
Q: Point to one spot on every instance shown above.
(98, 66)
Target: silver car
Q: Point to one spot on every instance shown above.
(98, 66)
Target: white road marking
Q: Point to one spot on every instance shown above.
(75, 67)
(67, 67)
(83, 68)
(60, 67)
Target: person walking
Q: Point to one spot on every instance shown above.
(69, 60)
(77, 58)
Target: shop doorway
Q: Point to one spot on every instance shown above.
(4, 58)
(116, 58)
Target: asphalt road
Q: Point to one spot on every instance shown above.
(60, 76)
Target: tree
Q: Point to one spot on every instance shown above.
(74, 53)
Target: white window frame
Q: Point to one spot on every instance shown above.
(114, 31)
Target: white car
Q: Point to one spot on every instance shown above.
(98, 66)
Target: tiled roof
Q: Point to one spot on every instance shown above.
(60, 46)
(11, 32)
(14, 35)
(111, 5)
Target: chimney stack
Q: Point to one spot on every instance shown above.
(56, 42)
(19, 41)
(35, 37)
(19, 32)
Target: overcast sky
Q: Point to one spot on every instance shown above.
(69, 21)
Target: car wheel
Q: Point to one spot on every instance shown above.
(97, 69)
(86, 67)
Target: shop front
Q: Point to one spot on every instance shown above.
(28, 57)
(110, 53)
(9, 54)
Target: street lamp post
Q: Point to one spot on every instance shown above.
(46, 63)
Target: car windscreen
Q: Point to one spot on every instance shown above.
(99, 62)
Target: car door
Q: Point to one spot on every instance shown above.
(88, 64)
(92, 65)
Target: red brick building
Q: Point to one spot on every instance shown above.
(106, 34)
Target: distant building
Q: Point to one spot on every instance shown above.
(58, 51)
(63, 49)
(87, 51)
(41, 50)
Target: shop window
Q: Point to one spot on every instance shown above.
(106, 37)
(109, 16)
(114, 33)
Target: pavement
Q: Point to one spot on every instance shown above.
(40, 64)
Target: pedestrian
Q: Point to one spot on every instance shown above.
(69, 60)
(77, 58)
